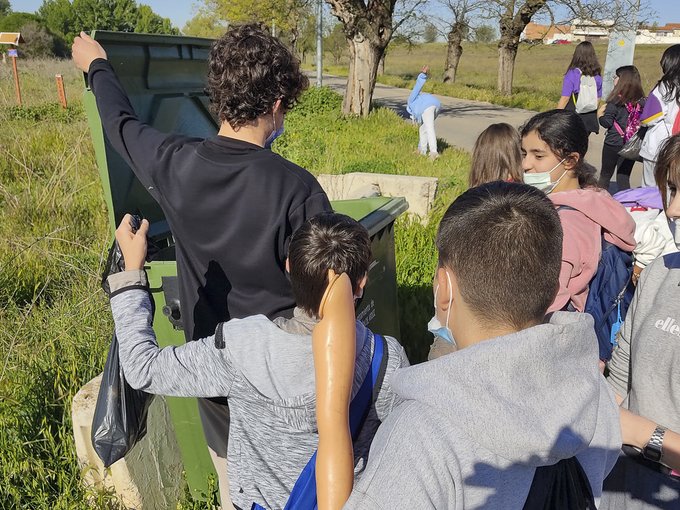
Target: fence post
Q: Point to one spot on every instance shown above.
(61, 92)
(16, 79)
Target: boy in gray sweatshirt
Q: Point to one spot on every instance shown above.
(520, 392)
(264, 368)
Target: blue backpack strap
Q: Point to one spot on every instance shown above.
(303, 495)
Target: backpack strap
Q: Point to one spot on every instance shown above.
(303, 495)
(618, 129)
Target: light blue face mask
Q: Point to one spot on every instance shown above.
(542, 181)
(435, 326)
(274, 135)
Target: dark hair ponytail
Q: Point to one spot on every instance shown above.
(564, 133)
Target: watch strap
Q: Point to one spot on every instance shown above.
(653, 450)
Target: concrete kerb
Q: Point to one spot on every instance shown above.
(419, 192)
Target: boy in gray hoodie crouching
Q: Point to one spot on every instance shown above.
(520, 392)
(265, 368)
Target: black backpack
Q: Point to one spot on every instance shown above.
(562, 486)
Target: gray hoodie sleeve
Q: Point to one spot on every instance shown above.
(195, 369)
(388, 399)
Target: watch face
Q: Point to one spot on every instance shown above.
(652, 453)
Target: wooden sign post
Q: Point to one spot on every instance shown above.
(61, 92)
(13, 55)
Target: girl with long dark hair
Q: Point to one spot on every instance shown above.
(583, 69)
(660, 112)
(554, 144)
(621, 117)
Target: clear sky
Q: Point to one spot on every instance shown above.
(179, 11)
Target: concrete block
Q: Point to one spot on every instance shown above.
(150, 476)
(419, 191)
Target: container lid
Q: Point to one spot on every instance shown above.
(374, 213)
(164, 78)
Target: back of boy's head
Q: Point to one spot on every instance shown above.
(668, 166)
(248, 71)
(496, 155)
(326, 241)
(503, 242)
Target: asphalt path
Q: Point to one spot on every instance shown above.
(460, 121)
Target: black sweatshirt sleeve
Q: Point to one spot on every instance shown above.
(139, 144)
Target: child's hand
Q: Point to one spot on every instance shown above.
(85, 50)
(601, 109)
(132, 244)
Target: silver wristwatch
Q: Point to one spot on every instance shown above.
(653, 450)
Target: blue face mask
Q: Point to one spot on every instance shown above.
(274, 135)
(435, 326)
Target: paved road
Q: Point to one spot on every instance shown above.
(461, 121)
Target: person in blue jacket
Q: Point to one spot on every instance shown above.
(423, 109)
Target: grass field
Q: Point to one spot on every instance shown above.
(538, 71)
(54, 319)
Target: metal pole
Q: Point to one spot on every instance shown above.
(16, 80)
(319, 43)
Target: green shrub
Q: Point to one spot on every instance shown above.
(45, 112)
(318, 100)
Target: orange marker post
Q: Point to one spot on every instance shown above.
(13, 55)
(61, 92)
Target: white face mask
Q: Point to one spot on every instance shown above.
(274, 135)
(541, 180)
(435, 326)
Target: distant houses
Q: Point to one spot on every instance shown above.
(584, 30)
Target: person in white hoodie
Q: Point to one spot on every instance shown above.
(520, 392)
(644, 372)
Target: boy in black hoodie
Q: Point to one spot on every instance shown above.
(231, 203)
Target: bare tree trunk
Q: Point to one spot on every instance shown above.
(507, 51)
(363, 69)
(454, 50)
(381, 65)
(511, 26)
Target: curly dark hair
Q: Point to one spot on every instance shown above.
(248, 70)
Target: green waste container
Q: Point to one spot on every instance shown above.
(164, 77)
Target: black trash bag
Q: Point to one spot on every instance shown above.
(120, 414)
(562, 486)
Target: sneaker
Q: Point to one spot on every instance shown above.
(433, 156)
